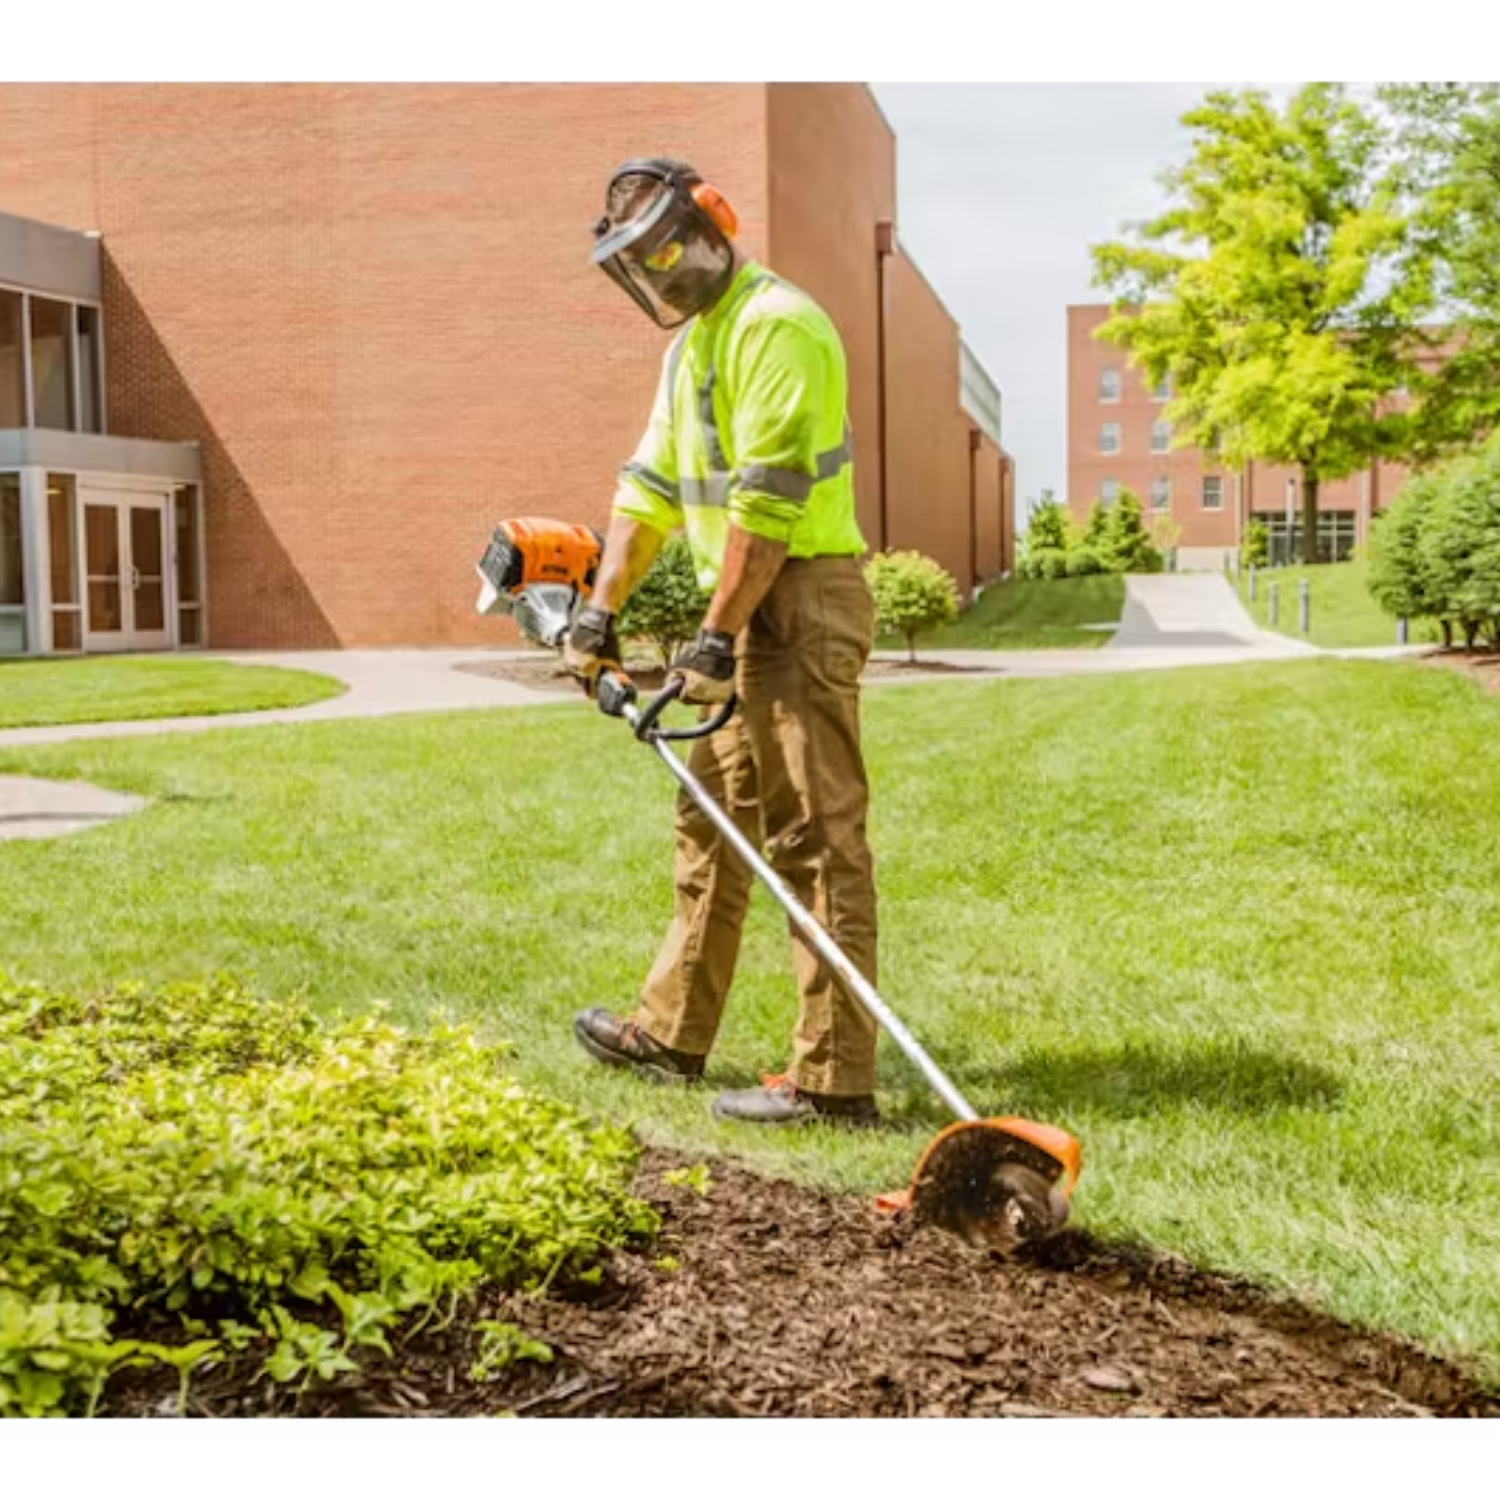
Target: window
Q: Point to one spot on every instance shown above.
(1109, 385)
(1109, 438)
(1109, 491)
(90, 385)
(1162, 390)
(12, 363)
(189, 582)
(12, 569)
(1161, 437)
(1213, 492)
(52, 364)
(62, 547)
(1161, 492)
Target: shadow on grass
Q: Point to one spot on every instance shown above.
(1128, 1082)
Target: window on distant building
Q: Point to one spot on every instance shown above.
(1109, 438)
(1162, 390)
(52, 364)
(12, 569)
(12, 362)
(1161, 493)
(1161, 437)
(1109, 491)
(1213, 492)
(1109, 385)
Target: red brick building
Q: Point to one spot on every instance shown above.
(322, 336)
(1118, 437)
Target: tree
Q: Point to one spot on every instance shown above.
(912, 593)
(1447, 164)
(667, 606)
(1125, 547)
(1255, 548)
(1398, 581)
(1048, 536)
(1460, 544)
(1275, 290)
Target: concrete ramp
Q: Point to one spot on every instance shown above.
(1175, 610)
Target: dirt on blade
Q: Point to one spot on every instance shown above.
(765, 1299)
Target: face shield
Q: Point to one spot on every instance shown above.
(672, 260)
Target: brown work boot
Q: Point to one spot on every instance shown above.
(619, 1042)
(778, 1101)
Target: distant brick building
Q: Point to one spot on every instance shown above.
(300, 346)
(1118, 437)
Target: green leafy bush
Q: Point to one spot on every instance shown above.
(233, 1178)
(1255, 548)
(1436, 553)
(1083, 561)
(912, 593)
(1125, 545)
(667, 606)
(1046, 562)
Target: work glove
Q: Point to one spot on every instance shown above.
(705, 668)
(591, 647)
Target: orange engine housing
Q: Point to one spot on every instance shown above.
(545, 551)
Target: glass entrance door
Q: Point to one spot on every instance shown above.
(125, 555)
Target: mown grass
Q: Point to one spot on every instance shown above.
(1238, 929)
(1030, 615)
(103, 689)
(1341, 611)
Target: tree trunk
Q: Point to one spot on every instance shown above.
(1447, 635)
(911, 647)
(1309, 517)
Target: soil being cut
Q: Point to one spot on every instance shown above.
(762, 1298)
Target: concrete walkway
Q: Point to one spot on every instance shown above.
(33, 809)
(380, 683)
(1191, 610)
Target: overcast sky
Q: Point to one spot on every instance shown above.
(1001, 190)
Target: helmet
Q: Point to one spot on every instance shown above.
(665, 238)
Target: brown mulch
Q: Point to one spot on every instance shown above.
(765, 1299)
(1482, 666)
(546, 675)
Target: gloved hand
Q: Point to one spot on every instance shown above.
(591, 646)
(706, 668)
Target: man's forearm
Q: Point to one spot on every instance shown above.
(751, 564)
(629, 550)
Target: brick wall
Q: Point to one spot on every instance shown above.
(374, 307)
(989, 499)
(927, 433)
(832, 180)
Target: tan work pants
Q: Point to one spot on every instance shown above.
(788, 768)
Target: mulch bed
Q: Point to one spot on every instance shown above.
(1482, 666)
(546, 675)
(765, 1299)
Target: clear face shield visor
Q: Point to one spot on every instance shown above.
(669, 258)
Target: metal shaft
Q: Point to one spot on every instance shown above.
(805, 923)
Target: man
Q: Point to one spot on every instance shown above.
(747, 448)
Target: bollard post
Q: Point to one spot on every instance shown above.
(1275, 601)
(1252, 583)
(1401, 631)
(1304, 611)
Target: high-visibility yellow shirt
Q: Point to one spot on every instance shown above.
(750, 427)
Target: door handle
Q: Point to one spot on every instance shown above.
(135, 578)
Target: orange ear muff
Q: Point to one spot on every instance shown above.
(716, 206)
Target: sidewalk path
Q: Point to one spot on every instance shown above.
(1182, 610)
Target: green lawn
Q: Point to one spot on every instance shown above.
(1342, 611)
(1030, 615)
(98, 689)
(1236, 928)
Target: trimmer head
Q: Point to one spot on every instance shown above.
(998, 1184)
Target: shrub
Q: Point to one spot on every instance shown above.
(1255, 548)
(667, 606)
(1398, 578)
(912, 593)
(1122, 541)
(1082, 561)
(238, 1181)
(1047, 562)
(1048, 525)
